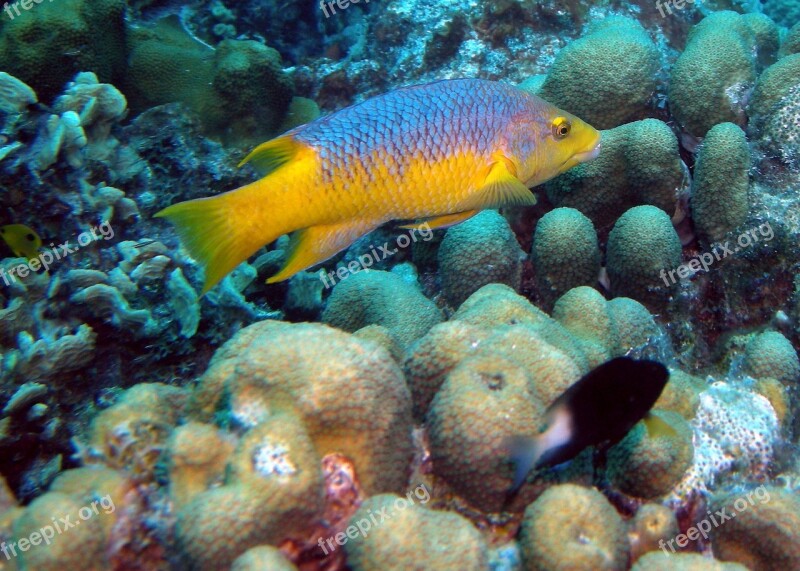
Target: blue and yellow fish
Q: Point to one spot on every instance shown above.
(441, 151)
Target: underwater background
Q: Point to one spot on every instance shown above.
(354, 415)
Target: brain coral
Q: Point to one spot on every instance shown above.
(572, 527)
(349, 392)
(565, 253)
(477, 252)
(642, 246)
(274, 491)
(413, 537)
(765, 532)
(647, 465)
(659, 561)
(721, 177)
(771, 355)
(261, 558)
(47, 46)
(638, 164)
(716, 69)
(374, 297)
(606, 77)
(484, 400)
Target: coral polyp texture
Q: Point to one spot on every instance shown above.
(594, 184)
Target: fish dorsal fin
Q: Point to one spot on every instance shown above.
(501, 187)
(273, 154)
(657, 427)
(443, 221)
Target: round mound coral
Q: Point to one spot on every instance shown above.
(350, 393)
(412, 537)
(261, 558)
(484, 400)
(764, 533)
(649, 464)
(571, 527)
(721, 176)
(641, 248)
(639, 163)
(274, 491)
(565, 253)
(711, 77)
(477, 252)
(771, 355)
(381, 298)
(607, 77)
(683, 562)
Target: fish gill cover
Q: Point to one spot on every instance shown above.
(279, 281)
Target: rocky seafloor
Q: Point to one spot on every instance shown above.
(353, 417)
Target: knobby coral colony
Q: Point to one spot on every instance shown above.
(431, 323)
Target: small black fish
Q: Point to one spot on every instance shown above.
(598, 410)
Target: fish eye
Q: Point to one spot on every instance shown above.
(30, 237)
(561, 127)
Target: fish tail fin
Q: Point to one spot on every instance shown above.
(222, 231)
(524, 452)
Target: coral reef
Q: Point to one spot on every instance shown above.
(565, 253)
(642, 247)
(719, 65)
(412, 537)
(373, 297)
(273, 366)
(638, 164)
(721, 177)
(606, 77)
(480, 251)
(572, 527)
(647, 465)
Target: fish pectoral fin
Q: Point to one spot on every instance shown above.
(318, 243)
(501, 187)
(445, 221)
(657, 427)
(275, 153)
(524, 452)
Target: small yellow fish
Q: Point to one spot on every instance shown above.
(23, 241)
(440, 151)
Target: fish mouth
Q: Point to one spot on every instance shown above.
(591, 153)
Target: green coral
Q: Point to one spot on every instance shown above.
(791, 43)
(262, 557)
(480, 251)
(773, 85)
(484, 400)
(572, 527)
(239, 90)
(659, 561)
(413, 537)
(719, 194)
(718, 66)
(606, 77)
(45, 47)
(639, 163)
(647, 465)
(765, 532)
(565, 253)
(642, 243)
(784, 12)
(374, 297)
(770, 355)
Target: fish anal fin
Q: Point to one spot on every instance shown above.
(275, 153)
(501, 187)
(657, 427)
(443, 221)
(318, 243)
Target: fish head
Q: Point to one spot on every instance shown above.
(551, 141)
(640, 384)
